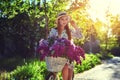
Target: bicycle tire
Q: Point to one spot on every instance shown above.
(51, 76)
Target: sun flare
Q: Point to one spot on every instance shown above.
(98, 8)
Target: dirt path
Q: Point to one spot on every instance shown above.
(108, 70)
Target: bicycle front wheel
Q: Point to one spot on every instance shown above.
(51, 76)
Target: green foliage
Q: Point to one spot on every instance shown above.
(79, 41)
(4, 75)
(26, 21)
(106, 55)
(9, 64)
(90, 61)
(35, 70)
(36, 9)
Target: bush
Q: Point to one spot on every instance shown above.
(115, 51)
(35, 70)
(90, 61)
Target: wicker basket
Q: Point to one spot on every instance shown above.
(55, 64)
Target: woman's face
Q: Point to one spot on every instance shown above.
(63, 21)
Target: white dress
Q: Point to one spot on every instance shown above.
(74, 33)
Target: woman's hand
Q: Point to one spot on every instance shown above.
(73, 24)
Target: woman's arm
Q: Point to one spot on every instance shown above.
(76, 33)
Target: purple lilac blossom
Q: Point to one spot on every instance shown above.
(60, 47)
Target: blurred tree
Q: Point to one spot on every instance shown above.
(26, 19)
(116, 28)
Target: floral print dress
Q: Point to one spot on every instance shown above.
(74, 33)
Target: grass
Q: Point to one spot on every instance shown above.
(32, 67)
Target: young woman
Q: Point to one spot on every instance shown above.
(64, 31)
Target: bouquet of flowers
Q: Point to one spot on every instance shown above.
(60, 47)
